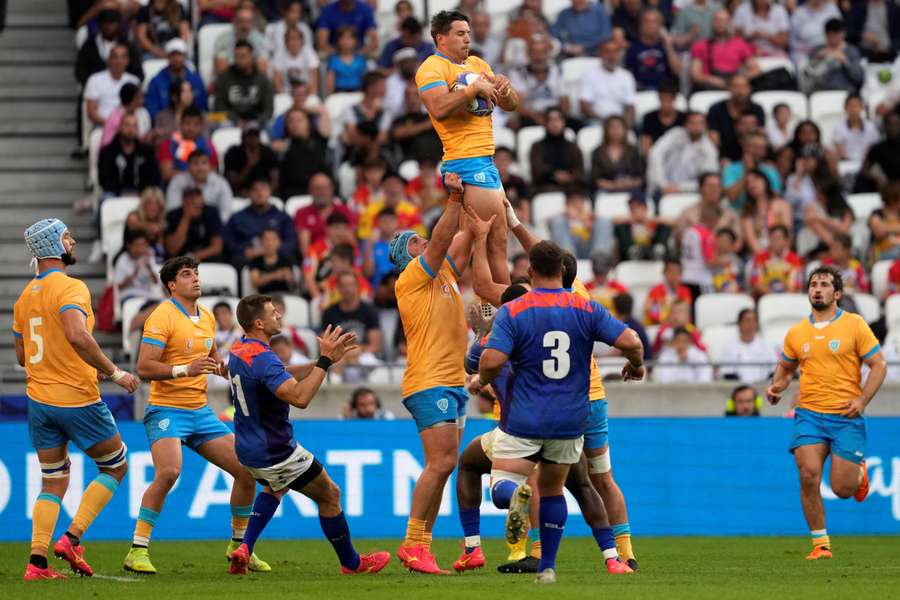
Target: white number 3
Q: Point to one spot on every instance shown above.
(559, 364)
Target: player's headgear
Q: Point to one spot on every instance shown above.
(400, 255)
(44, 238)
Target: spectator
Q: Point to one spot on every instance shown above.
(623, 307)
(776, 270)
(539, 84)
(296, 60)
(524, 24)
(343, 258)
(616, 165)
(244, 230)
(682, 362)
(840, 256)
(175, 152)
(800, 188)
(582, 27)
(131, 99)
(755, 149)
(242, 90)
(426, 191)
(765, 24)
(830, 214)
(710, 189)
(698, 251)
(694, 22)
(663, 295)
(316, 258)
(168, 120)
(762, 210)
(679, 318)
(369, 185)
(651, 58)
(639, 235)
(306, 155)
(602, 287)
(853, 136)
(555, 161)
(807, 132)
(626, 21)
(291, 18)
(149, 218)
(159, 22)
(412, 131)
(101, 92)
(658, 122)
(353, 14)
(515, 187)
(484, 42)
(364, 404)
(726, 269)
(750, 358)
(227, 330)
(285, 347)
(159, 92)
(94, 54)
(134, 273)
(410, 37)
(345, 67)
(242, 33)
(520, 266)
(126, 165)
(834, 65)
(578, 230)
(884, 225)
(780, 128)
(722, 56)
(808, 28)
(874, 27)
(193, 229)
(320, 122)
(394, 196)
(678, 159)
(271, 271)
(608, 89)
(882, 163)
(362, 135)
(250, 160)
(215, 189)
(743, 402)
(724, 117)
(310, 221)
(400, 78)
(353, 315)
(217, 11)
(376, 257)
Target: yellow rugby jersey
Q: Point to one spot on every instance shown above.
(596, 391)
(184, 338)
(56, 374)
(463, 134)
(830, 360)
(433, 317)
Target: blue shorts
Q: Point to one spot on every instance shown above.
(194, 427)
(845, 437)
(596, 435)
(437, 405)
(53, 426)
(479, 172)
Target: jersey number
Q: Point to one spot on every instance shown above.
(557, 366)
(239, 394)
(33, 324)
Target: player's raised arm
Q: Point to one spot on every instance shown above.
(333, 345)
(482, 282)
(84, 344)
(151, 368)
(446, 227)
(441, 102)
(521, 231)
(498, 348)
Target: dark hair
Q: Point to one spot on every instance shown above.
(243, 44)
(681, 331)
(519, 256)
(843, 239)
(192, 111)
(221, 304)
(269, 230)
(745, 311)
(392, 175)
(370, 79)
(835, 25)
(852, 96)
(251, 308)
(780, 105)
(411, 25)
(672, 260)
(336, 218)
(835, 202)
(546, 259)
(175, 87)
(693, 113)
(668, 86)
(359, 393)
(890, 192)
(512, 292)
(706, 175)
(289, 31)
(344, 251)
(554, 109)
(749, 208)
(278, 340)
(795, 142)
(523, 279)
(727, 231)
(623, 304)
(127, 93)
(172, 267)
(570, 264)
(837, 280)
(441, 22)
(579, 190)
(135, 234)
(345, 30)
(196, 154)
(780, 228)
(387, 211)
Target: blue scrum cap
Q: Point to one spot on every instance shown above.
(400, 249)
(44, 238)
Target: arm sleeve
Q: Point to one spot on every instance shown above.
(474, 355)
(431, 74)
(789, 351)
(157, 329)
(17, 321)
(502, 336)
(605, 327)
(75, 296)
(866, 343)
(91, 91)
(273, 373)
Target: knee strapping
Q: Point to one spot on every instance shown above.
(497, 475)
(600, 464)
(113, 459)
(56, 470)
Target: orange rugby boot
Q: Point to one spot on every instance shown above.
(74, 555)
(369, 563)
(33, 573)
(469, 561)
(418, 559)
(819, 552)
(863, 490)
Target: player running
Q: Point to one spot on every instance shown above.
(263, 390)
(178, 351)
(829, 347)
(459, 91)
(548, 336)
(52, 325)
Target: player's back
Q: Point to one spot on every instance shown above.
(56, 374)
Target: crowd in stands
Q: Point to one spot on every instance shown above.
(667, 108)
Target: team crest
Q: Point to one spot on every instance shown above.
(164, 424)
(208, 344)
(190, 344)
(442, 404)
(833, 345)
(805, 348)
(445, 289)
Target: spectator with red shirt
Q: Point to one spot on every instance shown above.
(893, 282)
(310, 220)
(776, 270)
(841, 257)
(602, 288)
(679, 317)
(393, 189)
(341, 260)
(722, 55)
(174, 152)
(369, 185)
(315, 263)
(661, 297)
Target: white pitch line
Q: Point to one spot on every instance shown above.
(114, 578)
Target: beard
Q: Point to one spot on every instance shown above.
(68, 259)
(820, 305)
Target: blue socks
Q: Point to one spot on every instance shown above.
(553, 519)
(606, 540)
(470, 519)
(264, 507)
(337, 532)
(502, 492)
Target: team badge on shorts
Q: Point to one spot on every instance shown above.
(833, 345)
(480, 177)
(443, 404)
(164, 424)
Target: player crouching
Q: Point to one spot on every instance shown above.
(263, 390)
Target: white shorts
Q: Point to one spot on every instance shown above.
(287, 471)
(563, 452)
(487, 443)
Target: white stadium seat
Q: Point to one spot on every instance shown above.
(408, 169)
(336, 104)
(648, 101)
(206, 41)
(239, 204)
(611, 204)
(281, 104)
(892, 313)
(528, 137)
(224, 138)
(296, 311)
(864, 205)
(672, 205)
(585, 270)
(717, 338)
(867, 306)
(588, 139)
(209, 302)
(880, 278)
(295, 203)
(796, 100)
(702, 101)
(720, 309)
(778, 309)
(130, 308)
(219, 276)
(770, 63)
(505, 137)
(547, 205)
(774, 333)
(152, 67)
(822, 104)
(113, 212)
(639, 274)
(573, 71)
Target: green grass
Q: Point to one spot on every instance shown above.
(718, 568)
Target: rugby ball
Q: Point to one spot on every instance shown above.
(478, 106)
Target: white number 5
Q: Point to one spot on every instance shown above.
(34, 336)
(558, 365)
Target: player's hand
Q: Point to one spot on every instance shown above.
(485, 89)
(478, 226)
(502, 85)
(129, 382)
(475, 319)
(223, 368)
(632, 373)
(203, 366)
(453, 183)
(334, 343)
(854, 408)
(473, 387)
(773, 394)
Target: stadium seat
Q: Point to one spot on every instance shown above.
(346, 180)
(826, 125)
(823, 104)
(779, 309)
(588, 139)
(717, 338)
(209, 302)
(505, 137)
(408, 169)
(337, 103)
(206, 41)
(880, 278)
(585, 270)
(552, 8)
(315, 313)
(309, 340)
(296, 311)
(892, 313)
(719, 309)
(639, 275)
(239, 204)
(295, 203)
(867, 306)
(547, 205)
(848, 168)
(774, 333)
(573, 71)
(113, 212)
(672, 205)
(701, 101)
(224, 138)
(611, 204)
(94, 141)
(246, 286)
(796, 100)
(770, 63)
(151, 67)
(864, 205)
(219, 277)
(281, 104)
(527, 137)
(648, 101)
(130, 308)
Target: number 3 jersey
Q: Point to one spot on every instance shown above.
(56, 374)
(263, 435)
(549, 337)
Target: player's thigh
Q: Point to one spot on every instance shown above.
(844, 474)
(321, 488)
(810, 459)
(552, 478)
(474, 458)
(166, 455)
(220, 452)
(486, 202)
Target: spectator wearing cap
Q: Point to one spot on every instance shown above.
(578, 230)
(101, 92)
(305, 155)
(581, 27)
(194, 229)
(226, 45)
(393, 189)
(483, 41)
(131, 99)
(174, 152)
(310, 221)
(744, 401)
(410, 37)
(725, 117)
(158, 95)
(158, 22)
(555, 161)
(835, 65)
(616, 164)
(250, 160)
(412, 131)
(296, 61)
(608, 89)
(320, 122)
(652, 58)
(539, 84)
(678, 159)
(201, 175)
(93, 56)
(363, 136)
(291, 18)
(721, 56)
(639, 235)
(126, 165)
(403, 74)
(243, 91)
(346, 66)
(346, 13)
(874, 27)
(244, 230)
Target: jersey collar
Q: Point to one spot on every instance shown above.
(47, 272)
(836, 317)
(551, 290)
(182, 309)
(447, 58)
(252, 340)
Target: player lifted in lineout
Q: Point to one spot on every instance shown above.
(829, 346)
(460, 92)
(52, 324)
(263, 390)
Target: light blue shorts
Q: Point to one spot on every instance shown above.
(479, 172)
(437, 405)
(194, 427)
(596, 435)
(845, 437)
(85, 426)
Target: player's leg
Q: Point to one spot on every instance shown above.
(518, 561)
(553, 514)
(473, 463)
(264, 507)
(810, 460)
(54, 482)
(488, 202)
(849, 476)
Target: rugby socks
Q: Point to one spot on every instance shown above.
(820, 538)
(240, 515)
(427, 537)
(502, 492)
(553, 519)
(95, 497)
(264, 507)
(146, 521)
(470, 519)
(606, 541)
(415, 532)
(43, 522)
(535, 535)
(337, 532)
(622, 531)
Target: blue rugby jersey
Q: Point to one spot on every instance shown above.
(549, 337)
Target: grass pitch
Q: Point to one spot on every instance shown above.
(696, 568)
